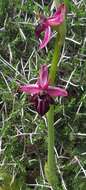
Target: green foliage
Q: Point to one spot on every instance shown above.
(3, 6)
(8, 183)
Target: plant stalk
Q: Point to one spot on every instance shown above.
(50, 166)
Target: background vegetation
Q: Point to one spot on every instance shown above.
(23, 134)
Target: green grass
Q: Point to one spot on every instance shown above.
(23, 134)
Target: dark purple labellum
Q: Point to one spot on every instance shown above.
(43, 106)
(42, 102)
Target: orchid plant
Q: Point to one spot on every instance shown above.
(43, 91)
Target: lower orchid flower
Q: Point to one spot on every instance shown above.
(42, 93)
(46, 24)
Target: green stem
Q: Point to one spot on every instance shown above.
(51, 159)
(50, 167)
(58, 45)
(67, 3)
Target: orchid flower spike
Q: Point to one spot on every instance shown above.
(46, 24)
(42, 93)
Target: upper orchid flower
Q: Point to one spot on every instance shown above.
(41, 92)
(46, 24)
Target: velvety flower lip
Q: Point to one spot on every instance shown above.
(46, 24)
(42, 93)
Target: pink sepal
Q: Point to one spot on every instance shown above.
(43, 77)
(58, 17)
(30, 89)
(56, 91)
(46, 39)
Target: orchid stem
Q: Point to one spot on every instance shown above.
(50, 167)
(58, 45)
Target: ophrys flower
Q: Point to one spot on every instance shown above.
(42, 92)
(46, 24)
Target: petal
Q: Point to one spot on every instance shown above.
(56, 91)
(58, 17)
(30, 88)
(43, 77)
(46, 39)
(61, 9)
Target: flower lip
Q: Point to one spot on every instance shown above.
(43, 106)
(42, 102)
